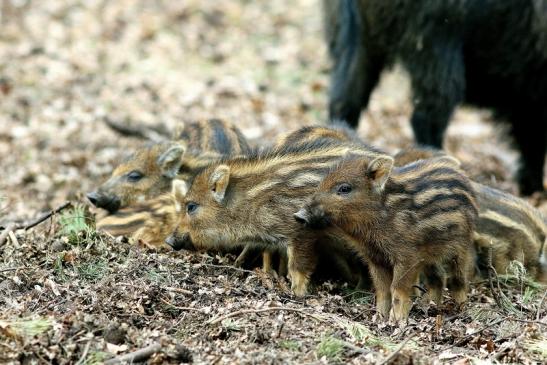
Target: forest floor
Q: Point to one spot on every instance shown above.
(69, 294)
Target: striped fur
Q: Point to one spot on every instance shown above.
(515, 230)
(150, 221)
(336, 132)
(252, 200)
(155, 166)
(214, 135)
(403, 221)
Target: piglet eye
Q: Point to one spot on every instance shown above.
(134, 176)
(343, 189)
(191, 207)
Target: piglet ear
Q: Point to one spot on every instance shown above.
(179, 188)
(219, 182)
(171, 160)
(378, 171)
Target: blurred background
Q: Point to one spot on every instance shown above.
(65, 66)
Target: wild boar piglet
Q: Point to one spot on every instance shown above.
(508, 228)
(252, 199)
(402, 221)
(149, 171)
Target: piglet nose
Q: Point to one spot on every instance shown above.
(179, 242)
(93, 197)
(171, 240)
(301, 216)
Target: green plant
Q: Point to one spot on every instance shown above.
(26, 328)
(74, 225)
(358, 297)
(330, 347)
(96, 357)
(93, 270)
(156, 277)
(58, 267)
(292, 345)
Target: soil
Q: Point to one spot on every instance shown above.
(69, 294)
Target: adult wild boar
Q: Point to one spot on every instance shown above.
(488, 53)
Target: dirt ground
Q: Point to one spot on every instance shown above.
(71, 295)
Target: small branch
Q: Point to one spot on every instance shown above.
(136, 356)
(476, 333)
(41, 219)
(177, 290)
(491, 271)
(541, 305)
(4, 235)
(228, 267)
(14, 240)
(14, 227)
(269, 309)
(84, 354)
(354, 348)
(9, 269)
(397, 350)
(181, 308)
(527, 321)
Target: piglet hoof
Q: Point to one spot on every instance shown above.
(238, 263)
(460, 297)
(272, 273)
(397, 319)
(299, 284)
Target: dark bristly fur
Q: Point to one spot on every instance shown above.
(415, 218)
(150, 170)
(252, 199)
(514, 229)
(487, 53)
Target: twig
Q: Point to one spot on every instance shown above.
(14, 240)
(527, 321)
(181, 308)
(228, 267)
(492, 270)
(14, 227)
(247, 311)
(39, 220)
(5, 233)
(476, 333)
(397, 350)
(136, 356)
(177, 290)
(9, 269)
(84, 355)
(541, 305)
(354, 348)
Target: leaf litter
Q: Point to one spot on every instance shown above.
(69, 294)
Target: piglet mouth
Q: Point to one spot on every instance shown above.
(180, 242)
(111, 204)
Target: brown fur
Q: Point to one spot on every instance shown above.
(155, 166)
(252, 199)
(512, 228)
(337, 132)
(403, 222)
(150, 221)
(343, 261)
